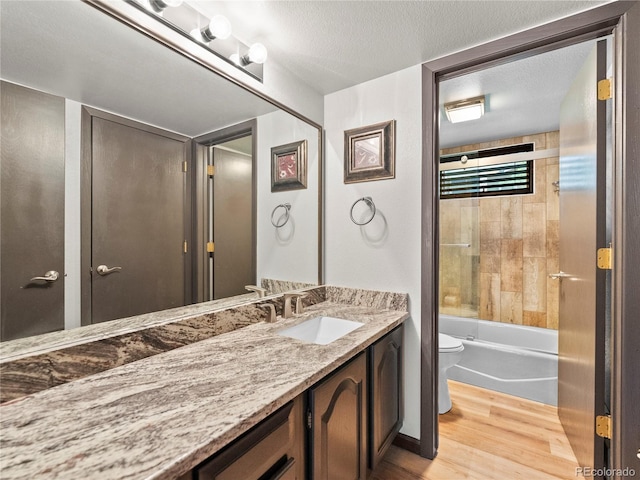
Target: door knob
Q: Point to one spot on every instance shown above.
(104, 270)
(50, 276)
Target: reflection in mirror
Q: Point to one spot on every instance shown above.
(108, 139)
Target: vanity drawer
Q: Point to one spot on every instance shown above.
(268, 451)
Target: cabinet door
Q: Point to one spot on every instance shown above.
(385, 394)
(338, 424)
(270, 451)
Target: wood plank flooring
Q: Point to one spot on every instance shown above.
(489, 435)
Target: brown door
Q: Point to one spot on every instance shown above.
(234, 263)
(32, 199)
(581, 336)
(138, 218)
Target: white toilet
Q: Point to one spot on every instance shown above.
(449, 353)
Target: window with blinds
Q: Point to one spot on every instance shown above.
(508, 178)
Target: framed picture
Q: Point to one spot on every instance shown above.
(289, 166)
(369, 153)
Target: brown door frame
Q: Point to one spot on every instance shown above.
(88, 113)
(610, 18)
(199, 177)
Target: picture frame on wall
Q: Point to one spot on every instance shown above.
(369, 153)
(289, 166)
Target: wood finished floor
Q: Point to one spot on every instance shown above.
(488, 435)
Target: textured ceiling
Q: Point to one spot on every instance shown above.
(332, 45)
(522, 97)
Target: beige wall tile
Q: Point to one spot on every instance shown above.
(449, 221)
(553, 139)
(539, 185)
(534, 226)
(534, 284)
(490, 209)
(490, 240)
(534, 319)
(511, 216)
(511, 307)
(490, 264)
(511, 266)
(553, 199)
(539, 139)
(553, 294)
(469, 229)
(489, 296)
(553, 238)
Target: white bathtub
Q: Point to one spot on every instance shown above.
(513, 359)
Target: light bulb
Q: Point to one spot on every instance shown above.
(159, 5)
(235, 58)
(257, 54)
(219, 27)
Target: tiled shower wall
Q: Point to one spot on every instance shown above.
(503, 276)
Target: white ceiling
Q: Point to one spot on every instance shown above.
(71, 49)
(332, 45)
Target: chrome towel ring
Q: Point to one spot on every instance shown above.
(372, 207)
(287, 208)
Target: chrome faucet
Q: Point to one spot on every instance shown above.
(260, 291)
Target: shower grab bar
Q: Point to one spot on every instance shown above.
(461, 245)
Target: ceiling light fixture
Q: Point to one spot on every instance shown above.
(465, 110)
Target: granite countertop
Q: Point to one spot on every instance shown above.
(160, 416)
(56, 340)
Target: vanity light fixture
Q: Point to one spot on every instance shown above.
(218, 27)
(158, 6)
(465, 110)
(257, 54)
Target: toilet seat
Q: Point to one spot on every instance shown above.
(447, 344)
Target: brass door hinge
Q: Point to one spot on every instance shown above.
(211, 170)
(603, 426)
(184, 166)
(210, 247)
(604, 258)
(184, 247)
(604, 89)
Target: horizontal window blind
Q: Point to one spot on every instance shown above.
(511, 178)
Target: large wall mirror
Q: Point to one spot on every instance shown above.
(135, 179)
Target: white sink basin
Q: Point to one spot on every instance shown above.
(320, 330)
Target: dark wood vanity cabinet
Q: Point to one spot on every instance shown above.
(338, 424)
(273, 450)
(352, 417)
(385, 394)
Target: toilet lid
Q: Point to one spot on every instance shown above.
(448, 344)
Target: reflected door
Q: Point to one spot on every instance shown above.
(581, 335)
(138, 220)
(32, 201)
(234, 262)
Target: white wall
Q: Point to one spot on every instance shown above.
(384, 255)
(289, 252)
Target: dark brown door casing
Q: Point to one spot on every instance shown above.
(32, 199)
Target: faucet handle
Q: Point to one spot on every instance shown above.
(287, 303)
(299, 304)
(260, 291)
(270, 307)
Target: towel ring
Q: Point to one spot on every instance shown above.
(287, 208)
(372, 206)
